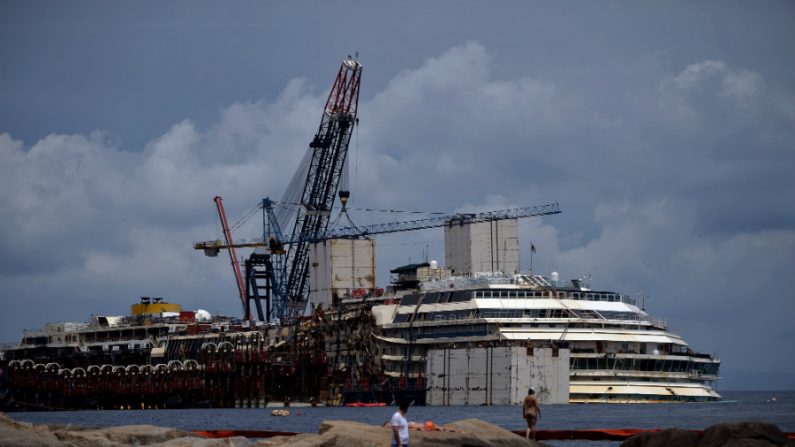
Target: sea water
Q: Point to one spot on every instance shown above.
(774, 407)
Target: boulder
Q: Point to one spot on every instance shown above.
(765, 434)
(748, 443)
(299, 440)
(354, 434)
(13, 433)
(122, 435)
(730, 434)
(236, 441)
(22, 434)
(664, 438)
(490, 433)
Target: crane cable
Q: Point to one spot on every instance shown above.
(245, 218)
(238, 224)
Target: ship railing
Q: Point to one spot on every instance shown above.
(626, 299)
(454, 333)
(633, 373)
(702, 355)
(656, 322)
(532, 293)
(704, 376)
(33, 332)
(660, 322)
(697, 374)
(468, 280)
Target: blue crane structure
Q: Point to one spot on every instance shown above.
(284, 272)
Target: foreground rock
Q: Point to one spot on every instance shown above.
(13, 433)
(469, 432)
(731, 434)
(22, 434)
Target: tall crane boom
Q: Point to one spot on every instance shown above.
(241, 287)
(329, 149)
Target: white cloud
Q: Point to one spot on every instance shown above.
(695, 74)
(741, 85)
(630, 234)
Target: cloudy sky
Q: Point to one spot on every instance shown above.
(664, 130)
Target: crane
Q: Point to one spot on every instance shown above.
(279, 268)
(241, 288)
(328, 153)
(326, 157)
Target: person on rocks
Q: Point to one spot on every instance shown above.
(400, 426)
(531, 411)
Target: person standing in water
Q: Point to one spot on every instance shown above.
(400, 426)
(531, 410)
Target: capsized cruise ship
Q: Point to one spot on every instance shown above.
(617, 352)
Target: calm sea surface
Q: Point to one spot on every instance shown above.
(737, 406)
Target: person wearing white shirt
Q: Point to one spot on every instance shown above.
(400, 426)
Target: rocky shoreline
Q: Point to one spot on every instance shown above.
(468, 432)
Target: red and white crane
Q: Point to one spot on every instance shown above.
(241, 286)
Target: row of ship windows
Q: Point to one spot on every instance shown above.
(442, 332)
(638, 397)
(513, 313)
(648, 365)
(578, 364)
(589, 296)
(437, 297)
(97, 336)
(463, 295)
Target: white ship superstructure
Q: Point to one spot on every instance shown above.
(617, 351)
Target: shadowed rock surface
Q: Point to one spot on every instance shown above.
(664, 438)
(730, 434)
